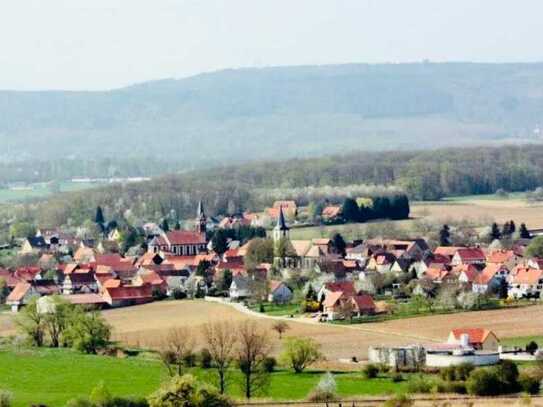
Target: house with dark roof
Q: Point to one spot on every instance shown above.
(35, 244)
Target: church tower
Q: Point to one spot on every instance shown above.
(281, 230)
(201, 219)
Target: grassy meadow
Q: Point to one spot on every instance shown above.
(54, 376)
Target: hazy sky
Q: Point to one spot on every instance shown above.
(101, 44)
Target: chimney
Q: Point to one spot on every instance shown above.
(464, 340)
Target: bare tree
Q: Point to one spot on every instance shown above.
(253, 348)
(177, 346)
(280, 327)
(346, 309)
(220, 339)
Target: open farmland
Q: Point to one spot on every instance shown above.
(479, 210)
(147, 325)
(512, 322)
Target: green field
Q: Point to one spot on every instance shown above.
(522, 341)
(54, 376)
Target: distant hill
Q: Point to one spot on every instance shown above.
(271, 113)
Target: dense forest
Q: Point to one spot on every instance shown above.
(426, 175)
(235, 116)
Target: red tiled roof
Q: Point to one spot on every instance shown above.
(111, 260)
(181, 237)
(471, 254)
(285, 204)
(27, 273)
(500, 256)
(526, 275)
(84, 299)
(332, 298)
(130, 292)
(331, 211)
(18, 292)
(364, 302)
(346, 287)
(476, 335)
(446, 250)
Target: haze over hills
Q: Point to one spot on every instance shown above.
(246, 114)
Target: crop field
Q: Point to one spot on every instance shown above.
(478, 209)
(505, 323)
(147, 325)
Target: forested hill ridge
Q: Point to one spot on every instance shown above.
(269, 113)
(426, 175)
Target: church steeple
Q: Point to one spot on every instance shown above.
(201, 219)
(281, 230)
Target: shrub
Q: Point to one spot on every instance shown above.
(399, 400)
(179, 294)
(397, 377)
(448, 373)
(531, 347)
(456, 387)
(187, 391)
(420, 384)
(298, 353)
(79, 402)
(463, 371)
(325, 391)
(268, 364)
(484, 382)
(205, 358)
(5, 398)
(508, 374)
(529, 383)
(100, 396)
(370, 371)
(189, 359)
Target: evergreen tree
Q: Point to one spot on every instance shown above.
(220, 241)
(177, 225)
(494, 231)
(523, 231)
(165, 225)
(99, 218)
(506, 229)
(351, 212)
(445, 236)
(339, 244)
(399, 208)
(311, 295)
(512, 227)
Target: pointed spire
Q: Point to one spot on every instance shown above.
(200, 212)
(281, 223)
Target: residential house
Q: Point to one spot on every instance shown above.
(381, 262)
(25, 291)
(279, 292)
(36, 244)
(346, 287)
(337, 303)
(477, 338)
(290, 209)
(20, 295)
(525, 282)
(332, 213)
(472, 255)
(507, 258)
(490, 278)
(239, 289)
